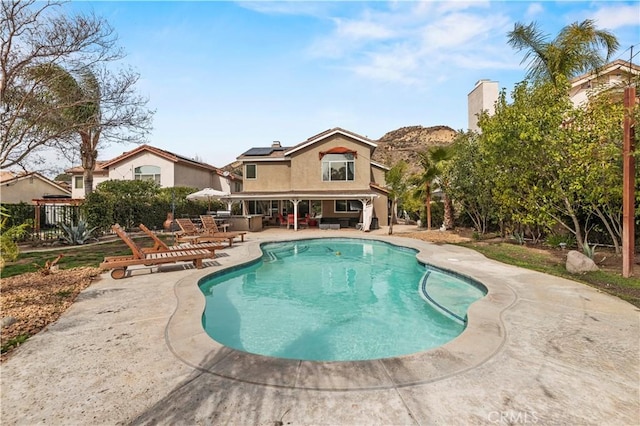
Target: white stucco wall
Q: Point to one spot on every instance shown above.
(79, 192)
(481, 98)
(125, 169)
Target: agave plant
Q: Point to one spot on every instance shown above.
(588, 250)
(77, 235)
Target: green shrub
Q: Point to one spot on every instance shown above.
(557, 240)
(9, 250)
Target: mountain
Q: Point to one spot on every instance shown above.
(405, 142)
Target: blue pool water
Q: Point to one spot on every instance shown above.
(336, 299)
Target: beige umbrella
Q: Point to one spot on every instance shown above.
(207, 194)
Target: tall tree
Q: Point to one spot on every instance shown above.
(57, 89)
(35, 33)
(396, 179)
(524, 144)
(431, 161)
(96, 106)
(469, 179)
(577, 48)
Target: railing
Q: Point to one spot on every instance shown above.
(44, 219)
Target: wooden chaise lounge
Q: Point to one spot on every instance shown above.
(159, 245)
(119, 264)
(190, 233)
(209, 224)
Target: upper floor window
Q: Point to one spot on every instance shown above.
(338, 167)
(79, 182)
(147, 173)
(250, 171)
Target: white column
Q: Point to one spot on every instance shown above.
(295, 214)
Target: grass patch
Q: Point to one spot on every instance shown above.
(74, 256)
(63, 294)
(14, 342)
(546, 261)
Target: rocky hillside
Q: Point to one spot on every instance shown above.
(405, 142)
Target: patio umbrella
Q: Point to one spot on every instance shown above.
(207, 194)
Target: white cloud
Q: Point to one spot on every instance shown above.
(457, 5)
(286, 7)
(362, 30)
(458, 30)
(534, 9)
(416, 43)
(617, 16)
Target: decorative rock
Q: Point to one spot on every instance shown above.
(578, 263)
(7, 321)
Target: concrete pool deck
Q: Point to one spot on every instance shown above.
(537, 350)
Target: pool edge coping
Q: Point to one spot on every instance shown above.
(482, 339)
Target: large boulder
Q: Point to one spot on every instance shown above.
(578, 263)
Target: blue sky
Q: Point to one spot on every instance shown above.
(227, 76)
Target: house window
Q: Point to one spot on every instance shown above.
(338, 167)
(250, 171)
(343, 206)
(79, 182)
(147, 173)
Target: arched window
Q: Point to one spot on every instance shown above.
(147, 173)
(338, 167)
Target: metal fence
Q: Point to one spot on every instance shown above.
(44, 219)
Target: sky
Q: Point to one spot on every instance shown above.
(224, 77)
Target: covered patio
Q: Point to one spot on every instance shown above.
(347, 208)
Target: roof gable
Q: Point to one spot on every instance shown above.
(327, 134)
(32, 175)
(616, 65)
(170, 156)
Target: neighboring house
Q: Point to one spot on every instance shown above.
(163, 167)
(27, 187)
(619, 72)
(329, 177)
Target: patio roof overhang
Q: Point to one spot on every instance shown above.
(302, 195)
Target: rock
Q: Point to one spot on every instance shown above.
(578, 263)
(7, 321)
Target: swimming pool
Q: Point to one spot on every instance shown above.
(336, 299)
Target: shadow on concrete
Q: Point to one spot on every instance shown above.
(205, 397)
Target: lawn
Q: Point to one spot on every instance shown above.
(552, 261)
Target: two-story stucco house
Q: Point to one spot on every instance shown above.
(165, 168)
(330, 177)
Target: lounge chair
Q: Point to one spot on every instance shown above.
(190, 233)
(119, 264)
(304, 222)
(210, 226)
(159, 245)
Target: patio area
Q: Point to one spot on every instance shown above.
(537, 350)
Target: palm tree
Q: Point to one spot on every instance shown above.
(76, 109)
(431, 162)
(397, 184)
(575, 50)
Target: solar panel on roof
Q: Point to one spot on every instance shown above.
(259, 151)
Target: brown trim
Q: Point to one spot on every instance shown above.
(338, 150)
